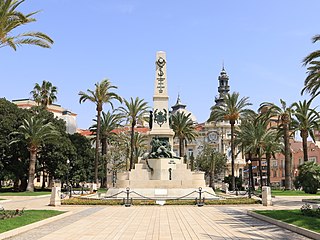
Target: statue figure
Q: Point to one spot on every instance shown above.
(160, 148)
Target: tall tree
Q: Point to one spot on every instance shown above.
(211, 162)
(140, 145)
(100, 95)
(231, 109)
(109, 122)
(283, 116)
(44, 94)
(34, 132)
(134, 110)
(256, 139)
(184, 129)
(10, 19)
(312, 81)
(307, 120)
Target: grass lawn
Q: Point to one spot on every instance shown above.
(294, 217)
(29, 216)
(24, 193)
(290, 193)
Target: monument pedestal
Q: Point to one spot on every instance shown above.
(169, 179)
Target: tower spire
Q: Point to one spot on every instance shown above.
(224, 87)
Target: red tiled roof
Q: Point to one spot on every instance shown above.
(86, 132)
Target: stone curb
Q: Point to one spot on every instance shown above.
(293, 228)
(28, 227)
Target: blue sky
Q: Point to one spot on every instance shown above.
(261, 43)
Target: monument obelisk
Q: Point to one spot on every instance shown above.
(160, 174)
(160, 125)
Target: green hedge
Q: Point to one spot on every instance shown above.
(87, 201)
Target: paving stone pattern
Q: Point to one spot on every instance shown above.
(159, 222)
(46, 229)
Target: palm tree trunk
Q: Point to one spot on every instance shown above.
(32, 170)
(304, 136)
(287, 170)
(268, 157)
(181, 152)
(104, 149)
(260, 171)
(233, 180)
(132, 145)
(96, 159)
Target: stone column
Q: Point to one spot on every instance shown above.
(266, 196)
(55, 199)
(161, 127)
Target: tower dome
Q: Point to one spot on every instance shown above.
(179, 107)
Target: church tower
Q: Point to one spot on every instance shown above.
(224, 87)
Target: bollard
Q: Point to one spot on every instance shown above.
(127, 203)
(200, 203)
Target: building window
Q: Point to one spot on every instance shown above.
(274, 163)
(190, 152)
(300, 161)
(274, 173)
(312, 159)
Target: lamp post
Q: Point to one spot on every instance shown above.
(250, 172)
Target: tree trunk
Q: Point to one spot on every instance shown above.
(304, 135)
(104, 149)
(287, 170)
(260, 172)
(16, 184)
(191, 162)
(96, 159)
(132, 145)
(268, 157)
(233, 180)
(181, 152)
(43, 180)
(32, 170)
(23, 184)
(251, 173)
(212, 171)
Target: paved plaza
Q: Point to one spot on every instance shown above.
(150, 222)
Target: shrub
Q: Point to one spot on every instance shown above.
(309, 177)
(5, 214)
(307, 211)
(88, 201)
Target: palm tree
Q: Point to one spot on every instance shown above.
(34, 132)
(312, 82)
(232, 109)
(45, 94)
(134, 110)
(100, 95)
(272, 145)
(139, 145)
(184, 129)
(11, 19)
(109, 122)
(255, 138)
(283, 117)
(307, 120)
